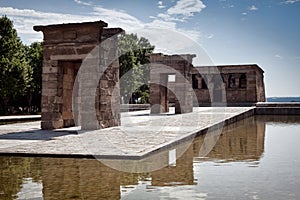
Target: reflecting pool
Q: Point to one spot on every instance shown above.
(256, 158)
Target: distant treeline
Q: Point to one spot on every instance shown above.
(283, 99)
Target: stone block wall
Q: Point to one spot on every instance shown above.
(88, 49)
(242, 85)
(108, 101)
(161, 67)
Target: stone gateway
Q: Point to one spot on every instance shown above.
(66, 47)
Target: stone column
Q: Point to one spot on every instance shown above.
(108, 112)
(162, 65)
(52, 100)
(100, 92)
(183, 93)
(158, 91)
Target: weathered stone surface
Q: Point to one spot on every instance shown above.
(204, 85)
(161, 67)
(66, 47)
(243, 84)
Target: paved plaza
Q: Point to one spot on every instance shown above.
(139, 135)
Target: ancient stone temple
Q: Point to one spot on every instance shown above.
(243, 84)
(162, 69)
(240, 85)
(227, 85)
(81, 79)
(88, 50)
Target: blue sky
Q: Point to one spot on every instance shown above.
(229, 31)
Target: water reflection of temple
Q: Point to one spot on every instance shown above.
(179, 174)
(72, 178)
(79, 179)
(240, 141)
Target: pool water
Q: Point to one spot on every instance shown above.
(256, 158)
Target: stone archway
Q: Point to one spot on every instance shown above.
(66, 46)
(161, 67)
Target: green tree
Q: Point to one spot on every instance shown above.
(134, 67)
(33, 84)
(12, 63)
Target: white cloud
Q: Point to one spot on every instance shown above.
(244, 13)
(290, 1)
(171, 41)
(117, 18)
(164, 16)
(210, 36)
(278, 56)
(252, 8)
(25, 19)
(186, 8)
(83, 3)
(160, 5)
(167, 17)
(180, 12)
(156, 23)
(193, 34)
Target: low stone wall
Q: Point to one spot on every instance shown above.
(262, 108)
(225, 104)
(134, 107)
(280, 108)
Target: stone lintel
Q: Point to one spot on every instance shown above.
(99, 23)
(87, 32)
(69, 57)
(109, 32)
(242, 68)
(176, 57)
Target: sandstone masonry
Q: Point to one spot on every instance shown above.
(240, 85)
(228, 85)
(68, 47)
(161, 69)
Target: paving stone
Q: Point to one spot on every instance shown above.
(139, 134)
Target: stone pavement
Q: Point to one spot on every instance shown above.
(140, 135)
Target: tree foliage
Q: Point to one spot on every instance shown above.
(20, 70)
(134, 67)
(12, 63)
(33, 87)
